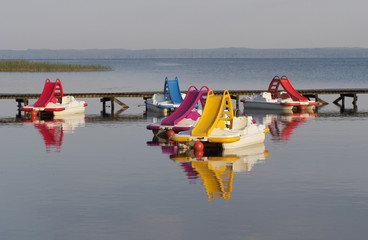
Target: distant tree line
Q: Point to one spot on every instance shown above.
(185, 53)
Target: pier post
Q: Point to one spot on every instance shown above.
(112, 101)
(20, 101)
(342, 99)
(355, 99)
(104, 100)
(112, 105)
(236, 97)
(237, 102)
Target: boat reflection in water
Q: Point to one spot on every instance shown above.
(168, 147)
(217, 169)
(52, 130)
(281, 125)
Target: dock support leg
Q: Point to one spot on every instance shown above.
(104, 100)
(20, 101)
(123, 105)
(236, 97)
(355, 99)
(237, 102)
(342, 99)
(112, 101)
(112, 105)
(237, 106)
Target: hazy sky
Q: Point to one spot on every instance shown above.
(158, 24)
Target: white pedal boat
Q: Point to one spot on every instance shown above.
(218, 127)
(285, 101)
(53, 101)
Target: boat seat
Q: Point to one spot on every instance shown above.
(240, 123)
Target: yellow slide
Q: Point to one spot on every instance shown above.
(217, 110)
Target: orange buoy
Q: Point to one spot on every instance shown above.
(170, 133)
(33, 115)
(198, 154)
(198, 146)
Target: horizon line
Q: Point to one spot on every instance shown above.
(150, 49)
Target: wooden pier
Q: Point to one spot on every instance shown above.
(22, 99)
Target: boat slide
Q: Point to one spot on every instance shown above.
(52, 99)
(172, 91)
(169, 100)
(285, 83)
(183, 118)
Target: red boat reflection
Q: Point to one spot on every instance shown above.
(52, 130)
(282, 126)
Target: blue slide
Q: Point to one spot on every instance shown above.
(172, 89)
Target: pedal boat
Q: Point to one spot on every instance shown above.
(167, 102)
(53, 101)
(218, 127)
(285, 101)
(185, 116)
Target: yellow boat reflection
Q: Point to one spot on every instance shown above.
(217, 169)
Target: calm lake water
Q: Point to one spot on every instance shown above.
(90, 177)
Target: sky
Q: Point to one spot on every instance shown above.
(178, 24)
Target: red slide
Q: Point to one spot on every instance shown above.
(52, 92)
(294, 94)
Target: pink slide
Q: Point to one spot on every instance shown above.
(52, 92)
(186, 107)
(294, 94)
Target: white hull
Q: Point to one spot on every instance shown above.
(69, 111)
(267, 105)
(158, 104)
(244, 133)
(154, 108)
(68, 106)
(245, 140)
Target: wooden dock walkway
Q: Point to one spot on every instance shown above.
(22, 98)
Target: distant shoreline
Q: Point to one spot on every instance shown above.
(76, 54)
(31, 66)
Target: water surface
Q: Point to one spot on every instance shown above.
(103, 178)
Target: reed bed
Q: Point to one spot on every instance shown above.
(31, 66)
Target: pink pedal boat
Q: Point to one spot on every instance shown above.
(185, 116)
